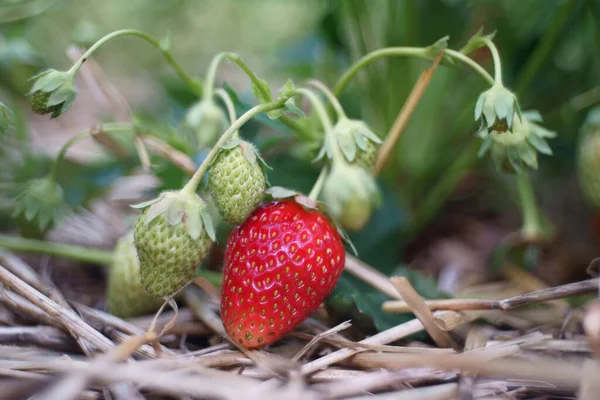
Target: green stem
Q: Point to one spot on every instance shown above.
(497, 61)
(209, 84)
(531, 217)
(316, 189)
(194, 85)
(544, 49)
(321, 111)
(471, 63)
(193, 183)
(84, 254)
(63, 151)
(211, 75)
(337, 107)
(417, 52)
(222, 93)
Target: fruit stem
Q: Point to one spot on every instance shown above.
(497, 61)
(316, 189)
(531, 218)
(337, 107)
(416, 52)
(222, 93)
(211, 75)
(321, 111)
(195, 86)
(80, 253)
(63, 151)
(193, 183)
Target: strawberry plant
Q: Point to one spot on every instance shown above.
(276, 189)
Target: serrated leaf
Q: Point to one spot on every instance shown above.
(290, 105)
(165, 42)
(261, 91)
(540, 144)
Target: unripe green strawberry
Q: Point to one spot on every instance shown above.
(366, 158)
(350, 193)
(236, 180)
(126, 297)
(588, 158)
(172, 236)
(53, 92)
(356, 141)
(39, 101)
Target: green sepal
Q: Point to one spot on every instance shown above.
(42, 201)
(280, 192)
(485, 146)
(540, 144)
(290, 105)
(148, 203)
(306, 202)
(528, 155)
(347, 146)
(48, 81)
(441, 44)
(7, 119)
(208, 224)
(477, 41)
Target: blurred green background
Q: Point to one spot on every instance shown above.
(443, 206)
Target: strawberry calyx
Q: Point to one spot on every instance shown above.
(180, 207)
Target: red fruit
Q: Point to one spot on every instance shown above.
(280, 265)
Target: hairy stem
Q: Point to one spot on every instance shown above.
(79, 253)
(193, 183)
(416, 52)
(194, 85)
(211, 75)
(337, 107)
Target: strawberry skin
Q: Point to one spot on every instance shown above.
(280, 265)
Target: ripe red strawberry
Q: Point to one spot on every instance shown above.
(280, 265)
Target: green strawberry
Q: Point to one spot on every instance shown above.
(172, 236)
(236, 180)
(357, 142)
(126, 297)
(39, 101)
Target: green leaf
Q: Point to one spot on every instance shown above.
(441, 44)
(261, 91)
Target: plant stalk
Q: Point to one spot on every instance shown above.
(531, 228)
(194, 85)
(497, 61)
(79, 253)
